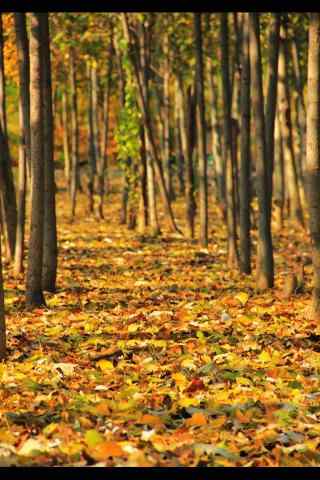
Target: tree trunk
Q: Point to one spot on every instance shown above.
(301, 118)
(7, 190)
(279, 184)
(312, 174)
(143, 202)
(148, 126)
(245, 157)
(50, 248)
(93, 154)
(24, 146)
(203, 165)
(271, 101)
(34, 294)
(286, 133)
(265, 252)
(166, 118)
(74, 181)
(66, 136)
(103, 166)
(216, 141)
(184, 105)
(227, 142)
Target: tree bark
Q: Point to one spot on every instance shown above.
(265, 251)
(312, 174)
(286, 133)
(149, 130)
(66, 136)
(74, 182)
(271, 101)
(34, 294)
(7, 190)
(227, 142)
(24, 123)
(184, 105)
(203, 165)
(50, 247)
(245, 157)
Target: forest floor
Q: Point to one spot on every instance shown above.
(152, 353)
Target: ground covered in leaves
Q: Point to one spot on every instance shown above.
(152, 353)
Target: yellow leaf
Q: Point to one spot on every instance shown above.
(181, 380)
(197, 420)
(264, 356)
(133, 327)
(243, 297)
(218, 422)
(105, 365)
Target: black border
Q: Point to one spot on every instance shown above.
(183, 473)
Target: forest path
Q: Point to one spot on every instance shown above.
(135, 361)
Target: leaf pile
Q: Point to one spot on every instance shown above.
(152, 353)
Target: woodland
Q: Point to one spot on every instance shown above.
(160, 239)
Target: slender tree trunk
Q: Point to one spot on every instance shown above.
(216, 140)
(166, 111)
(93, 133)
(227, 142)
(184, 105)
(301, 118)
(286, 133)
(34, 294)
(312, 174)
(74, 181)
(66, 136)
(279, 184)
(179, 155)
(103, 168)
(245, 158)
(149, 130)
(50, 247)
(271, 101)
(143, 201)
(265, 252)
(203, 165)
(24, 146)
(7, 190)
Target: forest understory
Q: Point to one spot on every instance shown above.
(153, 353)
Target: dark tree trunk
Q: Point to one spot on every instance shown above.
(184, 105)
(34, 294)
(227, 142)
(265, 252)
(50, 247)
(203, 166)
(245, 157)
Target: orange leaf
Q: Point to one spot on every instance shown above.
(106, 449)
(243, 417)
(153, 420)
(197, 420)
